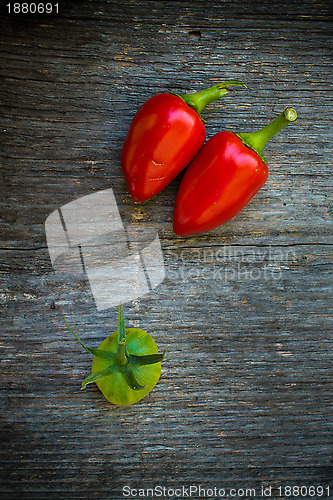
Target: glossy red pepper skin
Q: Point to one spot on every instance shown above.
(219, 182)
(224, 176)
(163, 138)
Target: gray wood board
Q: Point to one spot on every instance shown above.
(245, 396)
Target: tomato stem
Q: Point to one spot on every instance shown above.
(258, 140)
(200, 99)
(121, 353)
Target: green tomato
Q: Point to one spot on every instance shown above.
(126, 366)
(115, 386)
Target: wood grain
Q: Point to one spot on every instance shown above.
(245, 397)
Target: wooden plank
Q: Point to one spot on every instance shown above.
(244, 400)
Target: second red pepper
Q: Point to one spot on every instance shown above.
(224, 176)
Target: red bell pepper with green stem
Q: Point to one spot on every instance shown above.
(165, 135)
(228, 171)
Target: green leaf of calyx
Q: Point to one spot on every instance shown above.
(149, 359)
(130, 378)
(98, 375)
(95, 352)
(100, 353)
(78, 338)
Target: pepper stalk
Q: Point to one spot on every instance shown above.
(257, 140)
(200, 99)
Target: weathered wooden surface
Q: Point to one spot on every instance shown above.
(244, 400)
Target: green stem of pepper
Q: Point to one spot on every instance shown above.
(121, 354)
(200, 99)
(258, 140)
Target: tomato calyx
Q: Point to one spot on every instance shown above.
(121, 361)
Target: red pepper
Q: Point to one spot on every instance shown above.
(165, 135)
(228, 171)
